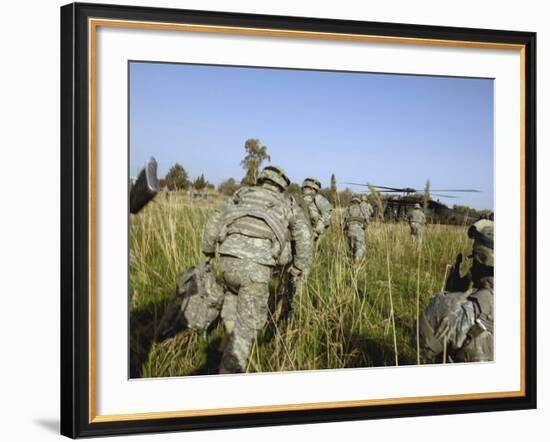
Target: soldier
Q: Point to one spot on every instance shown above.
(254, 230)
(366, 206)
(355, 222)
(417, 219)
(318, 207)
(460, 323)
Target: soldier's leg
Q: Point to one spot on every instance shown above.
(357, 235)
(351, 245)
(414, 231)
(361, 247)
(250, 315)
(228, 315)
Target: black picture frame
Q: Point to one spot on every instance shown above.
(75, 220)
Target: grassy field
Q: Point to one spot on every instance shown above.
(344, 317)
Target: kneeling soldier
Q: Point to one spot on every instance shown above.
(459, 324)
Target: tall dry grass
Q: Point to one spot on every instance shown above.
(344, 317)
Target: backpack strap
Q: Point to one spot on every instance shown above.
(240, 212)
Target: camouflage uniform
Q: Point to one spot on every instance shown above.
(417, 219)
(355, 222)
(254, 230)
(464, 319)
(319, 209)
(366, 207)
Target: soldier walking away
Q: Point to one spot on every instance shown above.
(417, 219)
(459, 324)
(145, 187)
(366, 207)
(319, 209)
(355, 223)
(258, 229)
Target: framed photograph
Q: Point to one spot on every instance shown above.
(273, 220)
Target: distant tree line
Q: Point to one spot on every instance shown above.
(472, 212)
(177, 178)
(256, 155)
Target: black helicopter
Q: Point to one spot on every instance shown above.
(397, 202)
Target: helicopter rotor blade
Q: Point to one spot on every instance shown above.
(414, 190)
(421, 194)
(443, 196)
(393, 189)
(457, 190)
(357, 184)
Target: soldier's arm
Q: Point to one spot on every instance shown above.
(301, 237)
(345, 216)
(326, 212)
(314, 213)
(213, 228)
(364, 212)
(455, 282)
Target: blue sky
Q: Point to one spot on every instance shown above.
(392, 130)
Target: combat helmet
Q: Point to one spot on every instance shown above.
(417, 206)
(482, 234)
(355, 199)
(274, 174)
(312, 183)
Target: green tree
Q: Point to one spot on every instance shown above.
(200, 182)
(256, 154)
(465, 210)
(228, 187)
(177, 178)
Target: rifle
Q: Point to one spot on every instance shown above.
(455, 282)
(145, 187)
(281, 304)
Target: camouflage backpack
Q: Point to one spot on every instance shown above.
(355, 215)
(323, 205)
(196, 304)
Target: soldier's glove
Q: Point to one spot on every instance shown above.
(458, 260)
